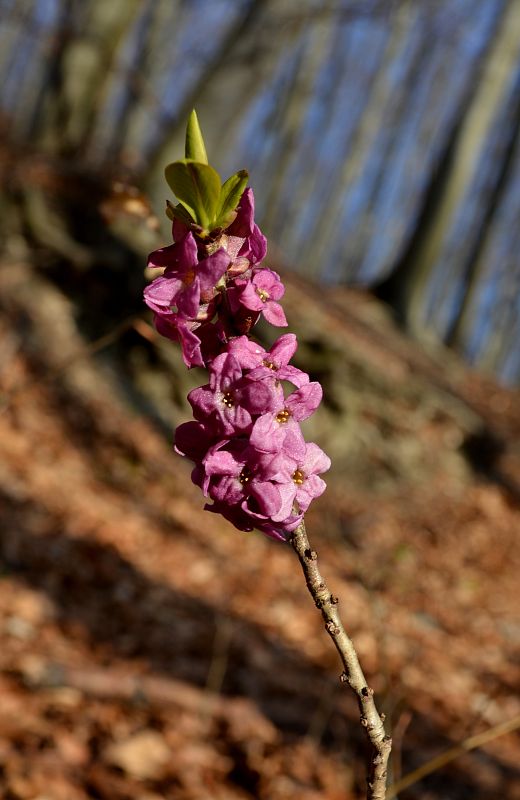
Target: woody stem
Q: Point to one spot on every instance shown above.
(371, 720)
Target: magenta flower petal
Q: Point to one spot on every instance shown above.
(160, 295)
(268, 498)
(283, 349)
(222, 462)
(315, 461)
(190, 344)
(193, 440)
(249, 354)
(276, 362)
(188, 300)
(211, 269)
(294, 443)
(273, 531)
(226, 489)
(293, 375)
(243, 223)
(288, 495)
(225, 404)
(311, 488)
(267, 282)
(179, 257)
(267, 435)
(304, 401)
(178, 329)
(255, 247)
(179, 230)
(163, 257)
(280, 530)
(233, 245)
(260, 294)
(225, 370)
(166, 325)
(261, 395)
(254, 244)
(244, 294)
(273, 433)
(274, 313)
(202, 401)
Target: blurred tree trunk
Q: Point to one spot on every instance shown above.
(412, 283)
(381, 137)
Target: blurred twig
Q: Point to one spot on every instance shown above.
(94, 347)
(220, 654)
(465, 746)
(398, 732)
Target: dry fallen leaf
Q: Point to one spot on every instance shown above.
(143, 755)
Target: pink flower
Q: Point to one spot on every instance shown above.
(249, 354)
(306, 485)
(180, 330)
(279, 431)
(305, 476)
(246, 240)
(250, 456)
(193, 439)
(186, 281)
(227, 403)
(276, 361)
(238, 475)
(260, 294)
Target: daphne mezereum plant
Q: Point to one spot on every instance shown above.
(251, 459)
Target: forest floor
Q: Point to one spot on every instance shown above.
(149, 651)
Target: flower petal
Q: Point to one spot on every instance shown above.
(179, 257)
(211, 269)
(188, 300)
(283, 349)
(274, 313)
(315, 461)
(304, 401)
(162, 292)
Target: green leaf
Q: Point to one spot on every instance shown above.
(230, 195)
(195, 147)
(197, 186)
(178, 212)
(223, 221)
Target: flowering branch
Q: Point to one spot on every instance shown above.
(372, 722)
(251, 459)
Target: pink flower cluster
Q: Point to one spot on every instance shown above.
(251, 459)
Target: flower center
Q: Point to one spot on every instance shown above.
(283, 416)
(270, 365)
(263, 295)
(228, 400)
(245, 476)
(298, 477)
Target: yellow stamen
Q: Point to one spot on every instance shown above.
(227, 399)
(298, 477)
(245, 475)
(283, 416)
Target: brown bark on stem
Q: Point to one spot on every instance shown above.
(372, 722)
